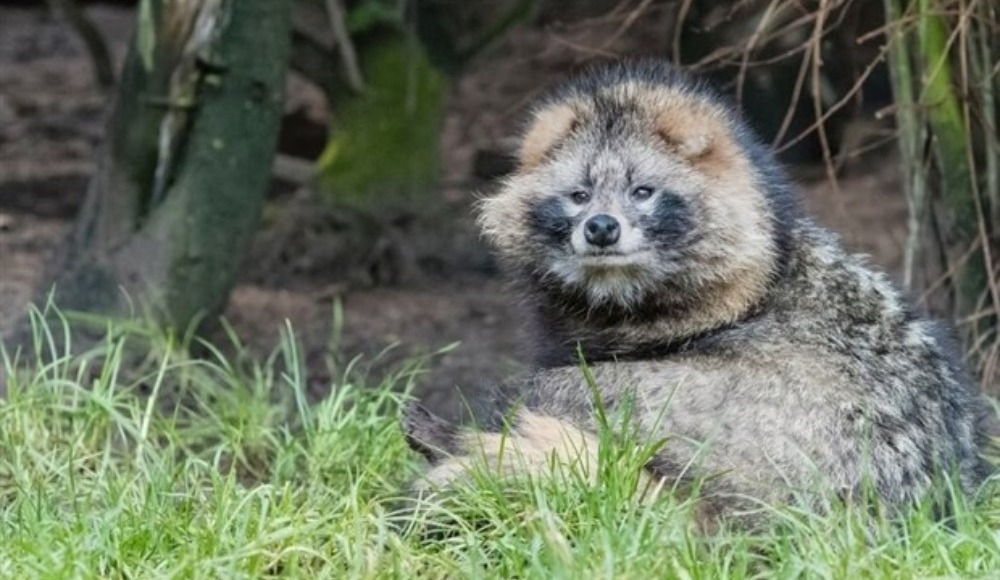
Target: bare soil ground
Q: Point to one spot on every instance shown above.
(442, 290)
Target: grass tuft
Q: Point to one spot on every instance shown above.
(135, 460)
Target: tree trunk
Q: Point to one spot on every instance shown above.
(186, 162)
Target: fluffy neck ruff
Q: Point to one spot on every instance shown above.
(670, 319)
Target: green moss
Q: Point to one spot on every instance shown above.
(384, 142)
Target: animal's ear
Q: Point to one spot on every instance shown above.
(691, 136)
(548, 128)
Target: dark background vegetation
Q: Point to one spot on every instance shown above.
(366, 238)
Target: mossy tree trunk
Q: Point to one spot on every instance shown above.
(383, 148)
(185, 164)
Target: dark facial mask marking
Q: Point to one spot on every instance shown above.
(670, 222)
(548, 219)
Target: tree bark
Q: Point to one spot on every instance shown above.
(185, 166)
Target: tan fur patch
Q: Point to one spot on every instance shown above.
(737, 205)
(684, 134)
(536, 440)
(501, 215)
(550, 126)
(531, 449)
(692, 129)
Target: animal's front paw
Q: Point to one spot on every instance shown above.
(427, 434)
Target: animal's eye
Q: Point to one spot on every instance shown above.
(642, 193)
(580, 197)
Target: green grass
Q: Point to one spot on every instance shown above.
(169, 466)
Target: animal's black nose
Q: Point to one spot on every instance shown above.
(601, 230)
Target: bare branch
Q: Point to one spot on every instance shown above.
(348, 56)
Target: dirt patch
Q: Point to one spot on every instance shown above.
(308, 257)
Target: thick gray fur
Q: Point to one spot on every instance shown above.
(828, 381)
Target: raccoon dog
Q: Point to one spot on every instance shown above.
(653, 234)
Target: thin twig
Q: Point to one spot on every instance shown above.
(629, 20)
(92, 38)
(817, 76)
(751, 43)
(731, 54)
(911, 137)
(949, 273)
(800, 81)
(836, 107)
(682, 15)
(989, 120)
(348, 56)
(293, 169)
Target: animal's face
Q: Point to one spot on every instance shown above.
(627, 191)
(614, 217)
